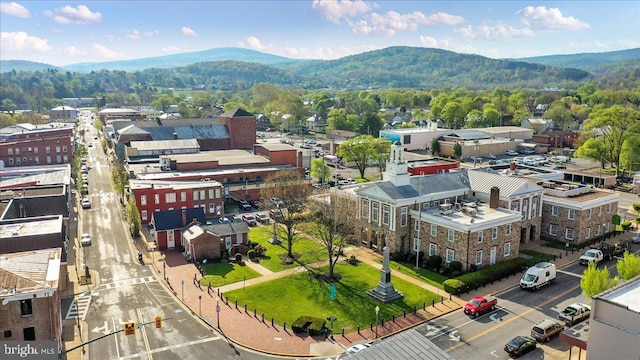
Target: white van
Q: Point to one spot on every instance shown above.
(538, 276)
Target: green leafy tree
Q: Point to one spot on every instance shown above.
(133, 217)
(162, 102)
(614, 125)
(453, 114)
(380, 153)
(320, 170)
(358, 150)
(337, 119)
(457, 151)
(595, 281)
(435, 146)
(629, 266)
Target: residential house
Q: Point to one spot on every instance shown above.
(576, 213)
(538, 125)
(30, 306)
(210, 241)
(167, 225)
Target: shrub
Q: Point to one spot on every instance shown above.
(435, 261)
(453, 286)
(238, 258)
(636, 207)
(249, 243)
(308, 324)
(251, 254)
(455, 266)
(352, 260)
(626, 225)
(260, 250)
(442, 271)
(484, 276)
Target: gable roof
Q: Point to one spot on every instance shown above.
(236, 113)
(386, 190)
(482, 181)
(172, 219)
(228, 228)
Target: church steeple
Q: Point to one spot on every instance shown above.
(396, 166)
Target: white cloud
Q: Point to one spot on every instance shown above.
(152, 33)
(73, 51)
(14, 9)
(387, 24)
(428, 41)
(21, 43)
(170, 49)
(552, 18)
(254, 43)
(105, 53)
(497, 32)
(133, 34)
(334, 11)
(70, 15)
(111, 38)
(186, 31)
(446, 44)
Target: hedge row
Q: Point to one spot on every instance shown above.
(308, 324)
(476, 279)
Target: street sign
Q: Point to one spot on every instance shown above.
(158, 322)
(130, 328)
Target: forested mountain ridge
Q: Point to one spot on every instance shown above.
(585, 61)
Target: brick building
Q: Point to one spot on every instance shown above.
(576, 213)
(209, 241)
(167, 225)
(30, 307)
(157, 195)
(29, 145)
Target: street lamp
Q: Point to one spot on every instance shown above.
(164, 265)
(218, 311)
(377, 311)
(182, 289)
(200, 305)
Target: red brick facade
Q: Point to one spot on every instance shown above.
(43, 147)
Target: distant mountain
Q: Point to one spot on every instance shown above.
(183, 59)
(585, 61)
(24, 65)
(411, 67)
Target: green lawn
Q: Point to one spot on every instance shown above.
(226, 273)
(287, 298)
(309, 250)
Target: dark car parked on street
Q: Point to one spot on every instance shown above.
(520, 345)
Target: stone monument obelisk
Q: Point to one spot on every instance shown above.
(385, 291)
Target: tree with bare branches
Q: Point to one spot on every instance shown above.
(332, 227)
(285, 194)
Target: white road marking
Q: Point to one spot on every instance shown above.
(165, 348)
(570, 273)
(79, 307)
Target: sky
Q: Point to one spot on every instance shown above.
(61, 33)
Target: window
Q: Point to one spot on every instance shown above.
(65, 158)
(47, 149)
(433, 249)
(587, 234)
(7, 334)
(157, 198)
(144, 215)
(211, 194)
(212, 208)
(403, 216)
(170, 197)
(599, 210)
(385, 214)
(48, 159)
(534, 208)
(434, 229)
(365, 209)
(479, 257)
(508, 231)
(553, 230)
(589, 213)
(58, 149)
(195, 195)
(608, 208)
(10, 161)
(217, 193)
(494, 233)
(572, 214)
(17, 151)
(143, 200)
(507, 249)
(183, 196)
(64, 149)
(451, 255)
(26, 308)
(451, 235)
(59, 159)
(568, 233)
(480, 236)
(376, 212)
(597, 229)
(416, 225)
(554, 210)
(35, 150)
(18, 162)
(36, 160)
(606, 227)
(228, 242)
(29, 333)
(10, 151)
(202, 195)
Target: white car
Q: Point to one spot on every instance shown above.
(356, 348)
(512, 153)
(86, 203)
(636, 239)
(85, 240)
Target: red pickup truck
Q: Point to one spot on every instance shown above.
(479, 305)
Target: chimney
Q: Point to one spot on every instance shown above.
(184, 217)
(512, 166)
(175, 136)
(494, 201)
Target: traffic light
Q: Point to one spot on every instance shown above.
(158, 322)
(130, 328)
